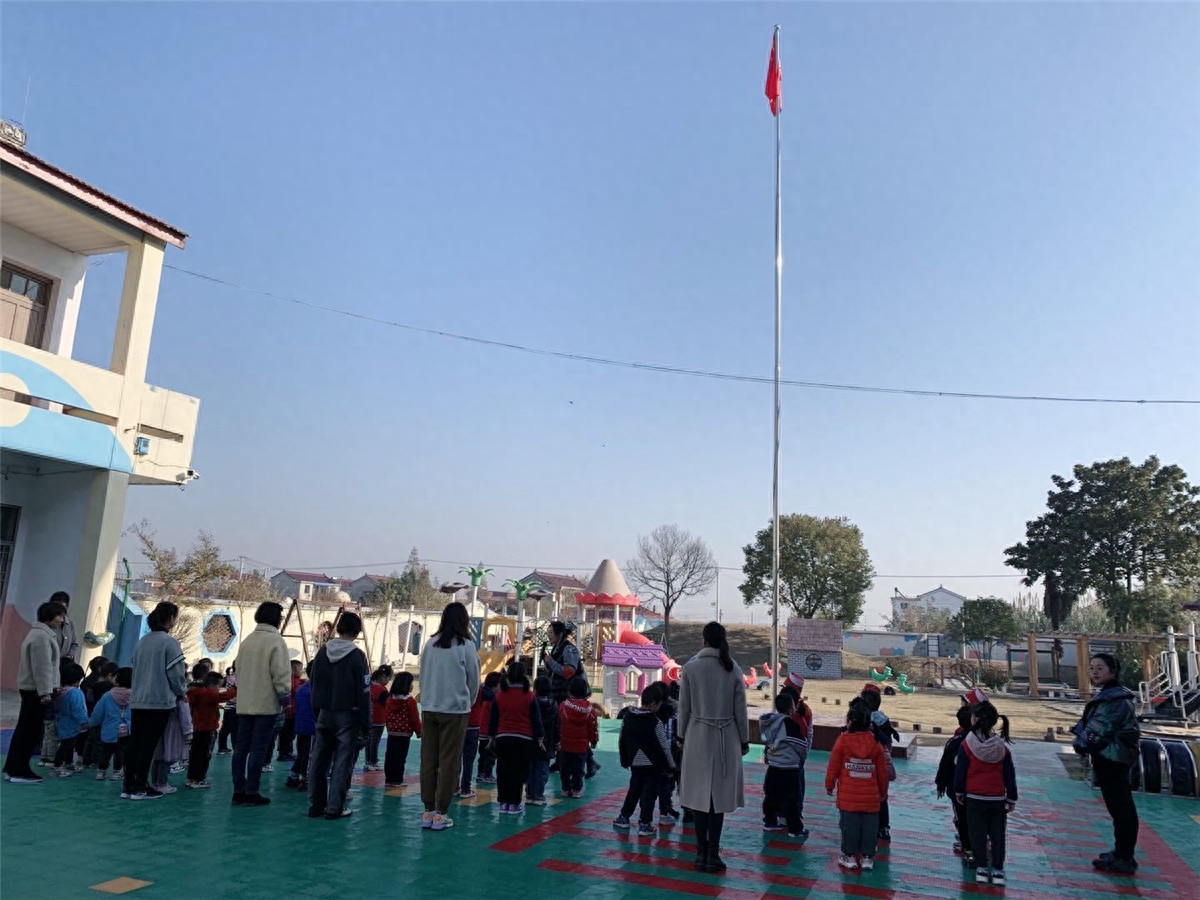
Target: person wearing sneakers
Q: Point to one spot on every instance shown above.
(341, 700)
(1108, 733)
(37, 680)
(944, 783)
(205, 697)
(159, 682)
(539, 758)
(579, 731)
(985, 785)
(72, 720)
(112, 717)
(881, 727)
(785, 753)
(858, 772)
(516, 730)
(264, 688)
(449, 681)
(645, 748)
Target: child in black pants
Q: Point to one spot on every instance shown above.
(985, 785)
(944, 782)
(403, 721)
(646, 752)
(786, 751)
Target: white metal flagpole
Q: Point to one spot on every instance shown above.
(774, 81)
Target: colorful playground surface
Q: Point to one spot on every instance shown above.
(73, 838)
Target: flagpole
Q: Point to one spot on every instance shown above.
(778, 375)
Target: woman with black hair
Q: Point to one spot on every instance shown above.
(715, 735)
(449, 681)
(1108, 733)
(159, 681)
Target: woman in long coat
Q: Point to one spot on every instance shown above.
(715, 735)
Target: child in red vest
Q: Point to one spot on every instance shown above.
(514, 728)
(379, 698)
(858, 771)
(579, 731)
(487, 750)
(985, 785)
(944, 782)
(403, 721)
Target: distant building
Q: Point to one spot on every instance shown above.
(303, 586)
(564, 588)
(938, 599)
(363, 585)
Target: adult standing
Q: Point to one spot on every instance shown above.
(564, 664)
(37, 679)
(264, 685)
(1108, 732)
(449, 681)
(159, 681)
(341, 701)
(68, 638)
(715, 735)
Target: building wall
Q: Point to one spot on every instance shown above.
(66, 268)
(46, 555)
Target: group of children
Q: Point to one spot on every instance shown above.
(518, 731)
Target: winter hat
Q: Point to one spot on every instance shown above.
(796, 680)
(974, 697)
(872, 687)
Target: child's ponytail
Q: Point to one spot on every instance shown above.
(714, 636)
(1004, 729)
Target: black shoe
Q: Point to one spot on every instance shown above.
(885, 834)
(716, 865)
(256, 800)
(315, 812)
(688, 818)
(239, 799)
(1116, 866)
(701, 862)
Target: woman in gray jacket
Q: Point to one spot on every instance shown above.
(159, 680)
(715, 735)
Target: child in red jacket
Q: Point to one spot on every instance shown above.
(487, 752)
(403, 721)
(204, 697)
(579, 731)
(379, 698)
(858, 770)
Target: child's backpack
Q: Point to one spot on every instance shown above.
(123, 722)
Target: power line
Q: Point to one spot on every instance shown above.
(672, 370)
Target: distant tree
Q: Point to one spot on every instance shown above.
(418, 588)
(391, 590)
(671, 564)
(985, 622)
(244, 593)
(1117, 528)
(182, 576)
(919, 620)
(824, 569)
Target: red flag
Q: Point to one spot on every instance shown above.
(775, 79)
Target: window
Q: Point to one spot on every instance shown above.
(24, 298)
(26, 284)
(9, 515)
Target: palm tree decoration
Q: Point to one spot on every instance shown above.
(522, 588)
(476, 574)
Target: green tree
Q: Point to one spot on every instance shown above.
(824, 569)
(417, 587)
(671, 564)
(1115, 527)
(196, 571)
(985, 622)
(391, 590)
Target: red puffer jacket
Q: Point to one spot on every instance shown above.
(858, 770)
(578, 728)
(402, 715)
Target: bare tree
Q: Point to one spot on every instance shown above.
(184, 576)
(671, 564)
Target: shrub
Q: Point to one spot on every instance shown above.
(993, 677)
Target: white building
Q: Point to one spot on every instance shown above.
(938, 599)
(303, 586)
(74, 436)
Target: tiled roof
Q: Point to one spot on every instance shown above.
(307, 576)
(558, 582)
(644, 656)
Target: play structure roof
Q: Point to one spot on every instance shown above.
(814, 634)
(643, 656)
(608, 588)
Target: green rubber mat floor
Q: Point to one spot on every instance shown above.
(75, 838)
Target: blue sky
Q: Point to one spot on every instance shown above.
(978, 197)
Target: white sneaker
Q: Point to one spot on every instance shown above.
(441, 822)
(847, 862)
(267, 768)
(102, 776)
(117, 775)
(165, 788)
(61, 772)
(24, 779)
(427, 820)
(868, 863)
(982, 876)
(177, 767)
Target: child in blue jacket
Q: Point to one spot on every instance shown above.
(113, 716)
(305, 727)
(72, 720)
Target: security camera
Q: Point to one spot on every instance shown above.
(193, 475)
